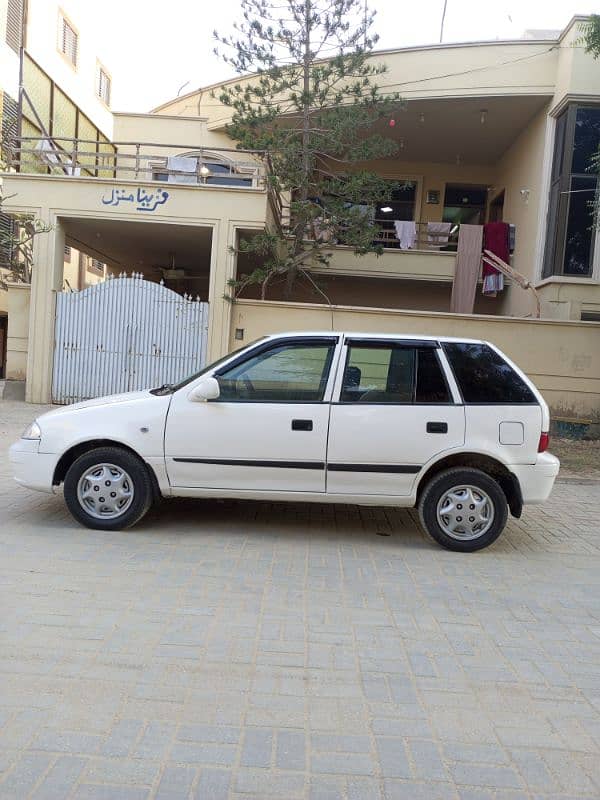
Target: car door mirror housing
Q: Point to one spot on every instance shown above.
(207, 389)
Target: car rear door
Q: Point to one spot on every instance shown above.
(393, 410)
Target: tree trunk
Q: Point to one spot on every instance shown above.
(299, 231)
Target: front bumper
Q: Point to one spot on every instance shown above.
(31, 468)
(536, 480)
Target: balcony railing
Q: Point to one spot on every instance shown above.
(407, 236)
(143, 161)
(432, 236)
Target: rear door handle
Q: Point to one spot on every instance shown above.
(302, 424)
(437, 427)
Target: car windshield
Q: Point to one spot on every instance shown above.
(169, 388)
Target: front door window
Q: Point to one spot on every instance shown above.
(285, 373)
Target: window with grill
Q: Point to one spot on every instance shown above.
(67, 253)
(95, 266)
(68, 40)
(103, 85)
(7, 231)
(14, 24)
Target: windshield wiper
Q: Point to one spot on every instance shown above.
(166, 388)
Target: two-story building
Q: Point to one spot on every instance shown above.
(52, 81)
(488, 132)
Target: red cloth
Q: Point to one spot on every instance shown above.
(496, 240)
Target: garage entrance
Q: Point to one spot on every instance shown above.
(133, 310)
(125, 334)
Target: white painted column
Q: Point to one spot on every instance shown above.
(46, 280)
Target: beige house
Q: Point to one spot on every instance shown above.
(67, 87)
(491, 131)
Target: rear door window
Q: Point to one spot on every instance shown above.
(393, 373)
(484, 377)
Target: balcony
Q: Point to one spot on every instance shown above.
(177, 164)
(431, 257)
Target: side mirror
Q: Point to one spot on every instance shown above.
(207, 389)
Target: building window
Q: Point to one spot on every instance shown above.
(68, 40)
(67, 253)
(103, 85)
(95, 267)
(14, 24)
(573, 193)
(7, 234)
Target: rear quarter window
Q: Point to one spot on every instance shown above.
(483, 376)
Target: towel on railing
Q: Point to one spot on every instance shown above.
(438, 233)
(179, 164)
(51, 155)
(496, 239)
(406, 231)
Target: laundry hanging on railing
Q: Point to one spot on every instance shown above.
(496, 239)
(438, 233)
(406, 232)
(51, 155)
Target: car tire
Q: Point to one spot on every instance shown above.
(463, 489)
(108, 489)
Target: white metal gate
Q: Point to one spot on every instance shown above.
(125, 334)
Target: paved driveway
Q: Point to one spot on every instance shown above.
(247, 650)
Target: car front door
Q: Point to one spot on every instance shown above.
(393, 411)
(267, 431)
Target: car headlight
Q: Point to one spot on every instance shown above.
(33, 431)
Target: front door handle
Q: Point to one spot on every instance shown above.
(437, 427)
(302, 424)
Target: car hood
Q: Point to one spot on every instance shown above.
(109, 400)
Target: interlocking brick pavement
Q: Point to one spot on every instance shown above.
(230, 651)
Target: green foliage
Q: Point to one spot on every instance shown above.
(16, 246)
(591, 35)
(316, 108)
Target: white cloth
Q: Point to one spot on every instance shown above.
(179, 164)
(47, 151)
(438, 233)
(406, 232)
(50, 154)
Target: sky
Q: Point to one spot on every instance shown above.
(155, 49)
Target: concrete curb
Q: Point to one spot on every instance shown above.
(576, 480)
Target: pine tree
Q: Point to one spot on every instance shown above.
(316, 108)
(591, 35)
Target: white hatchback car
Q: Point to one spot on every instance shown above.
(450, 426)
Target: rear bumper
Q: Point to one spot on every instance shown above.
(30, 468)
(536, 480)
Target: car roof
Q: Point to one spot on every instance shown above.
(373, 335)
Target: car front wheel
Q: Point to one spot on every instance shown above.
(108, 488)
(463, 509)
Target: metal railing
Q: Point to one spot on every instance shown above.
(427, 237)
(424, 236)
(144, 161)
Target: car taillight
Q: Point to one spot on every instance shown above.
(544, 442)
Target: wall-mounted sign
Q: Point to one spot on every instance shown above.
(433, 196)
(143, 200)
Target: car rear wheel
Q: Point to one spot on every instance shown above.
(108, 488)
(463, 509)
